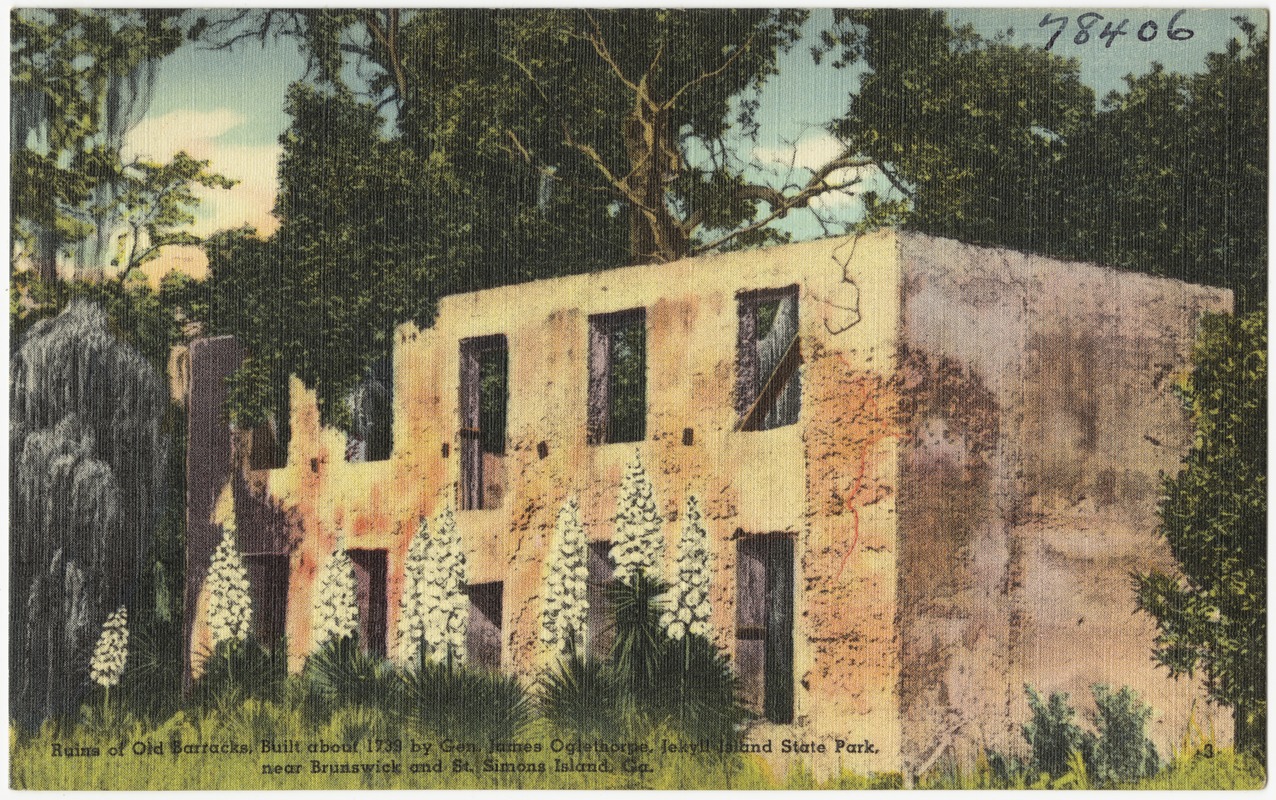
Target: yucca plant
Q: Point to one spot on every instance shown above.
(582, 695)
(341, 673)
(456, 702)
(236, 670)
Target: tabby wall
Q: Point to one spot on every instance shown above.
(1043, 418)
(827, 481)
(972, 476)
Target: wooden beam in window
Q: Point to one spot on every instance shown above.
(752, 419)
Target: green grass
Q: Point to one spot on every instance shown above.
(136, 752)
(33, 765)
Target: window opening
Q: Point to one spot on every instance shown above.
(764, 624)
(769, 352)
(268, 582)
(269, 446)
(483, 632)
(617, 377)
(370, 597)
(598, 631)
(371, 414)
(484, 418)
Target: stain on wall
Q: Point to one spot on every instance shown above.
(970, 479)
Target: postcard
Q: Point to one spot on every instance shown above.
(634, 398)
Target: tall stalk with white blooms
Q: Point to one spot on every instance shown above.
(230, 606)
(411, 632)
(689, 611)
(111, 652)
(639, 542)
(336, 608)
(563, 619)
(444, 604)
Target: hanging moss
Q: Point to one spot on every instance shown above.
(86, 463)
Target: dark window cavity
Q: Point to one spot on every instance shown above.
(268, 583)
(484, 409)
(483, 631)
(764, 624)
(617, 377)
(599, 633)
(370, 597)
(269, 445)
(371, 414)
(769, 352)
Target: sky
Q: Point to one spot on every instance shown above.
(228, 106)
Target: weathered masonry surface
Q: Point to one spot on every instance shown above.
(926, 468)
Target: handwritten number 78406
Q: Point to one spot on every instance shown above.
(1086, 28)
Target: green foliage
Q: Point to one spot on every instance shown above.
(340, 672)
(240, 669)
(627, 382)
(971, 133)
(358, 252)
(582, 695)
(1170, 136)
(1002, 145)
(80, 79)
(1053, 736)
(466, 704)
(1212, 615)
(1123, 751)
(146, 319)
(686, 683)
(156, 202)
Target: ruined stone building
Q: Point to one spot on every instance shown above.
(927, 470)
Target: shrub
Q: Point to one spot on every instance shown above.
(336, 611)
(582, 696)
(341, 673)
(1052, 734)
(566, 610)
(1123, 752)
(236, 670)
(456, 702)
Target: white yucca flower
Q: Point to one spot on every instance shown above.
(412, 628)
(336, 608)
(230, 606)
(107, 666)
(639, 542)
(689, 598)
(444, 605)
(563, 619)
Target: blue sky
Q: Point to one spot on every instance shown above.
(227, 106)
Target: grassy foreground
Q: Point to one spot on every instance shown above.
(116, 751)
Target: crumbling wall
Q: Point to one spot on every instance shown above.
(749, 482)
(1068, 368)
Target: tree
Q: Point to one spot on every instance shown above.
(1211, 616)
(80, 79)
(87, 467)
(358, 252)
(621, 116)
(1003, 146)
(971, 134)
(155, 205)
(1178, 166)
